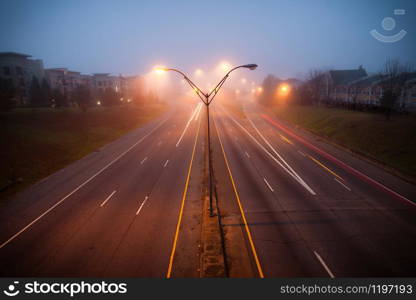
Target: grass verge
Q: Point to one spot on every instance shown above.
(392, 143)
(37, 142)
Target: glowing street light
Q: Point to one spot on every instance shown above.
(160, 70)
(207, 98)
(225, 66)
(198, 72)
(284, 89)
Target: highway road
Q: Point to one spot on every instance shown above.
(309, 209)
(291, 205)
(113, 213)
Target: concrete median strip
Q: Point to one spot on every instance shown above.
(212, 256)
(240, 206)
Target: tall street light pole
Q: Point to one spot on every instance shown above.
(207, 98)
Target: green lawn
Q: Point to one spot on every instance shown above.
(37, 142)
(392, 143)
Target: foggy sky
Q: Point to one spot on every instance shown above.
(286, 38)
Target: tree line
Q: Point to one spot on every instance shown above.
(313, 91)
(42, 95)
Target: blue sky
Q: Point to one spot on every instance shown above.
(286, 38)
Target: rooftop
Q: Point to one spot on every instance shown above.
(101, 74)
(14, 54)
(346, 76)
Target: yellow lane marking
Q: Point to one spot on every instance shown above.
(326, 168)
(286, 139)
(175, 240)
(253, 248)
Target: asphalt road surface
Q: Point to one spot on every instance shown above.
(310, 209)
(291, 204)
(113, 213)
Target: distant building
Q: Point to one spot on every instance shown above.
(102, 81)
(409, 95)
(64, 80)
(336, 83)
(20, 70)
(133, 85)
(355, 86)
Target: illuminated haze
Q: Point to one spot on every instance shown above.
(286, 38)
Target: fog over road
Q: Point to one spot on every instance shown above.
(291, 204)
(307, 215)
(113, 213)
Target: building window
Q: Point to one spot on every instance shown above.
(19, 70)
(6, 71)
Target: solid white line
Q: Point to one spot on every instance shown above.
(267, 183)
(301, 153)
(272, 148)
(166, 163)
(342, 184)
(297, 178)
(144, 159)
(198, 113)
(324, 264)
(140, 208)
(247, 154)
(80, 186)
(187, 124)
(108, 198)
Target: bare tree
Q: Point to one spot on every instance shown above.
(315, 84)
(269, 88)
(354, 90)
(393, 78)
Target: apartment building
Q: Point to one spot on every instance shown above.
(64, 80)
(356, 86)
(20, 69)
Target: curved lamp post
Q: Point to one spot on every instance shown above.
(207, 98)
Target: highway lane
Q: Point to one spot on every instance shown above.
(288, 210)
(120, 221)
(347, 227)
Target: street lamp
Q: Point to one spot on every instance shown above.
(207, 98)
